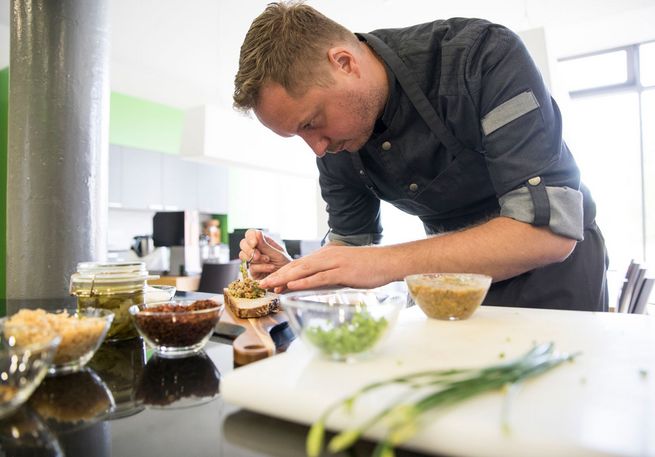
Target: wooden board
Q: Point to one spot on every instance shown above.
(253, 338)
(601, 404)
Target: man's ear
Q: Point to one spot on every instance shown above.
(343, 60)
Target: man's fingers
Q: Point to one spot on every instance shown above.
(292, 271)
(320, 279)
(262, 268)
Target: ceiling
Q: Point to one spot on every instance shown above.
(184, 52)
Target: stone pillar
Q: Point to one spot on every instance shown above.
(58, 143)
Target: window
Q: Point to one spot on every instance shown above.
(647, 64)
(606, 126)
(598, 70)
(648, 126)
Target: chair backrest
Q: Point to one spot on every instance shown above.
(641, 302)
(216, 276)
(628, 288)
(636, 290)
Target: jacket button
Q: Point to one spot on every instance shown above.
(386, 145)
(361, 172)
(413, 187)
(534, 181)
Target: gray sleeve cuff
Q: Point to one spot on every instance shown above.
(566, 213)
(364, 239)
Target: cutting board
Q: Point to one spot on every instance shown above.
(251, 338)
(603, 403)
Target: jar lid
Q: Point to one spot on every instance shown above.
(110, 272)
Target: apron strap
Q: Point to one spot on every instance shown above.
(414, 93)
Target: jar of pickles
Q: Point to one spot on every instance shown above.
(114, 286)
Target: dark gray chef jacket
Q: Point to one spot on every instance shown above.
(469, 133)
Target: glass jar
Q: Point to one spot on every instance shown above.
(120, 365)
(114, 286)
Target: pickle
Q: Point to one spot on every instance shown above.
(122, 327)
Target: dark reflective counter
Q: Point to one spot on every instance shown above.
(129, 402)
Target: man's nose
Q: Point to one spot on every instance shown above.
(318, 144)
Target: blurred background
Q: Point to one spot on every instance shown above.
(177, 146)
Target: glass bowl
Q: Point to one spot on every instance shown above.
(178, 383)
(176, 328)
(448, 296)
(120, 364)
(159, 293)
(343, 324)
(81, 331)
(22, 365)
(26, 434)
(73, 401)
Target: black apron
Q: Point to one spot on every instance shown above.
(578, 283)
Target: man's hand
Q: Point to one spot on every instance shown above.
(263, 253)
(361, 267)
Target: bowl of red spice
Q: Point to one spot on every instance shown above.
(176, 328)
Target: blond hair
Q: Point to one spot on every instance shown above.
(286, 44)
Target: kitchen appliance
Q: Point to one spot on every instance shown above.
(143, 245)
(180, 231)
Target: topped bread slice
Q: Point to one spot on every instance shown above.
(246, 308)
(247, 299)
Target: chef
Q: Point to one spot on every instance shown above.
(449, 121)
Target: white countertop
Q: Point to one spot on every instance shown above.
(601, 404)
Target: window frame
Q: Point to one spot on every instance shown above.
(632, 84)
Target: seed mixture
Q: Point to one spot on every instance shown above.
(56, 400)
(246, 287)
(166, 381)
(79, 334)
(177, 325)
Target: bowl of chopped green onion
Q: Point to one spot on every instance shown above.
(343, 324)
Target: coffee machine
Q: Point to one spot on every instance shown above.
(180, 232)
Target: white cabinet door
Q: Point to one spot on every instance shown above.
(115, 176)
(212, 189)
(179, 183)
(141, 179)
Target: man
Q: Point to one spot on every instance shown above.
(449, 121)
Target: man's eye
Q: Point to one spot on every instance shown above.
(307, 126)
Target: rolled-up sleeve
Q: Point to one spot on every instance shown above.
(353, 212)
(521, 129)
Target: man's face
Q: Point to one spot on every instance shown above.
(330, 119)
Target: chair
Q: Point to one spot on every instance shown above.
(636, 290)
(641, 303)
(216, 276)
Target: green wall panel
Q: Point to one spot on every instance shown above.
(4, 119)
(144, 124)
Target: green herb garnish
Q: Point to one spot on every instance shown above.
(435, 389)
(358, 335)
(246, 287)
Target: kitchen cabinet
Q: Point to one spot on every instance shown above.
(179, 183)
(115, 176)
(141, 175)
(148, 180)
(212, 189)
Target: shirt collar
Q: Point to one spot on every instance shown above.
(383, 122)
